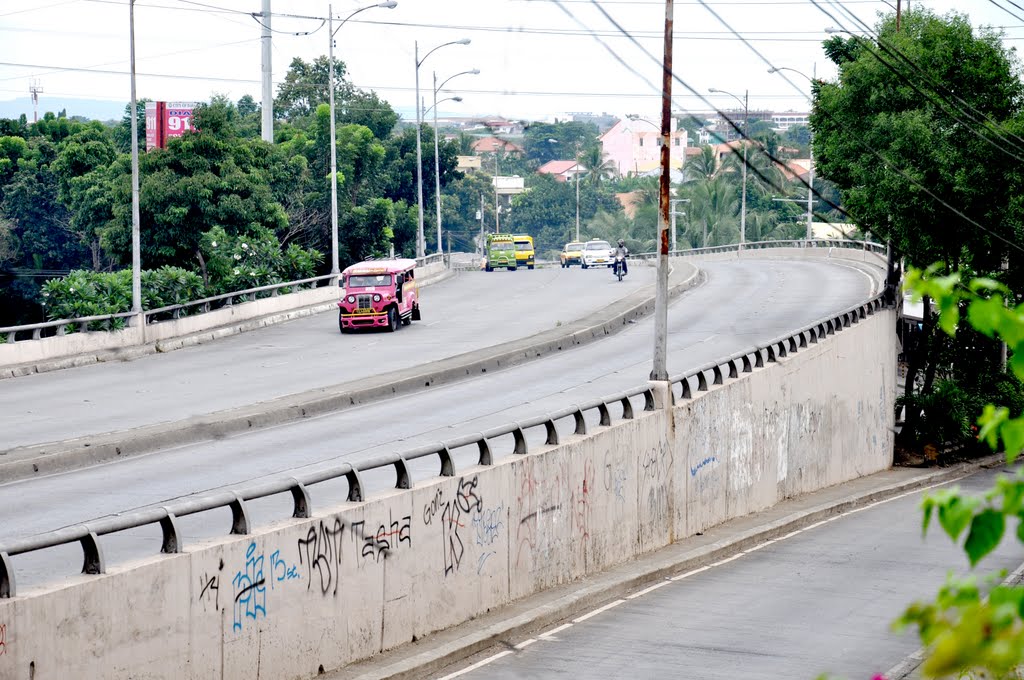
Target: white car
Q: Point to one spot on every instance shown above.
(597, 254)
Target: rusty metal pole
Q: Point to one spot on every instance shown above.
(660, 370)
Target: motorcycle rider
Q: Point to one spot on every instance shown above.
(623, 251)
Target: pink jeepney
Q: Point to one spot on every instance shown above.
(378, 294)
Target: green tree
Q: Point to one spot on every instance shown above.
(913, 168)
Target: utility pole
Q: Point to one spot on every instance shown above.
(660, 369)
(497, 208)
(35, 88)
(267, 131)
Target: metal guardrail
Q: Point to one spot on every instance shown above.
(60, 327)
(870, 246)
(682, 387)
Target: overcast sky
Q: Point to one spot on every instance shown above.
(537, 58)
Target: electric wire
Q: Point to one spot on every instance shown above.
(34, 9)
(1012, 14)
(938, 199)
(768, 181)
(951, 99)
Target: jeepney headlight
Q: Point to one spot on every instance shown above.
(376, 297)
(351, 299)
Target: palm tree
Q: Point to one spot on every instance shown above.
(598, 168)
(712, 214)
(702, 166)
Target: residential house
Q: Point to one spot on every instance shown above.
(494, 144)
(634, 146)
(563, 171)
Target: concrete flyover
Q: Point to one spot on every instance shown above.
(336, 584)
(214, 394)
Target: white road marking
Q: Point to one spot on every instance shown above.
(598, 611)
(551, 632)
(647, 590)
(478, 664)
(1016, 576)
(689, 573)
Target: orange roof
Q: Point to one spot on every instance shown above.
(490, 144)
(556, 167)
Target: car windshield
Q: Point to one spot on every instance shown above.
(502, 245)
(522, 245)
(573, 246)
(369, 281)
(598, 245)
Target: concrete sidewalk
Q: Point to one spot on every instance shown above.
(503, 628)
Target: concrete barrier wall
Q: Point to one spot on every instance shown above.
(306, 595)
(275, 309)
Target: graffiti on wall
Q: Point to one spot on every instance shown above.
(250, 589)
(320, 552)
(615, 477)
(462, 519)
(209, 588)
(3, 639)
(387, 538)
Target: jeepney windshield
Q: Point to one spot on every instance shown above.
(369, 281)
(503, 245)
(524, 245)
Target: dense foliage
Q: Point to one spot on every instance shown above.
(921, 133)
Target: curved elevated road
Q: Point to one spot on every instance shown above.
(742, 303)
(470, 311)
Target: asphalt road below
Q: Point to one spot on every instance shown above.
(741, 304)
(819, 601)
(469, 311)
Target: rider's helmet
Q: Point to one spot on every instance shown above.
(621, 243)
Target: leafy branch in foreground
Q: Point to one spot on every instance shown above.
(968, 635)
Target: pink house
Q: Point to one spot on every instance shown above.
(635, 146)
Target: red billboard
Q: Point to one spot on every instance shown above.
(165, 120)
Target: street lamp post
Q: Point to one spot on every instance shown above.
(437, 162)
(743, 201)
(421, 244)
(577, 173)
(810, 151)
(331, 31)
(136, 230)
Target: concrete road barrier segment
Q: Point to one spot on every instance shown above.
(82, 349)
(23, 462)
(343, 583)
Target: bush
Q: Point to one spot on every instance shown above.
(253, 260)
(947, 415)
(170, 286)
(86, 293)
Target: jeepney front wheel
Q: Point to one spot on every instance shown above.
(393, 322)
(488, 268)
(341, 325)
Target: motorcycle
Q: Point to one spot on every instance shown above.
(619, 267)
